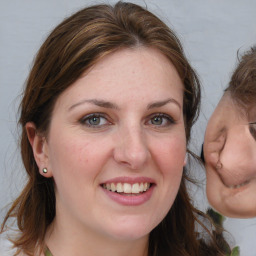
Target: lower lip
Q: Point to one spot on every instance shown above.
(130, 200)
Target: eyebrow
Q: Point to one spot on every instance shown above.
(100, 103)
(159, 104)
(107, 104)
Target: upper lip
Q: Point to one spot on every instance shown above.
(130, 180)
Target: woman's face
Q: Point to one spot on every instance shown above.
(230, 156)
(116, 145)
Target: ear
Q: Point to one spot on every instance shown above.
(40, 148)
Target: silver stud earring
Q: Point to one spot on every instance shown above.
(45, 170)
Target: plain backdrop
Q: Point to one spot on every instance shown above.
(211, 31)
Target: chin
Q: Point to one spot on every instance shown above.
(129, 235)
(229, 207)
(131, 231)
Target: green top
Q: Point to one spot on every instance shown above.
(47, 252)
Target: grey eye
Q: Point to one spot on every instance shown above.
(157, 120)
(94, 120)
(160, 120)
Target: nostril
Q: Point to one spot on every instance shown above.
(219, 165)
(131, 149)
(213, 159)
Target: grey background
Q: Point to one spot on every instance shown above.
(211, 32)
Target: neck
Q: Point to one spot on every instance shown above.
(66, 240)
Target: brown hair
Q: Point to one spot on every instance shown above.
(242, 85)
(72, 48)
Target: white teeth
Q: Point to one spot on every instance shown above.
(136, 188)
(112, 187)
(108, 186)
(239, 185)
(127, 188)
(146, 186)
(119, 188)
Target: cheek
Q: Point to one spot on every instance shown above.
(171, 154)
(76, 164)
(170, 157)
(77, 159)
(241, 204)
(213, 186)
(64, 153)
(69, 159)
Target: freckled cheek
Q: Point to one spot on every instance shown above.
(84, 156)
(69, 155)
(85, 159)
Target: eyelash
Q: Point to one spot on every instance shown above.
(252, 129)
(169, 119)
(86, 119)
(163, 117)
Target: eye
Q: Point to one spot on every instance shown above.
(161, 120)
(252, 129)
(95, 120)
(157, 120)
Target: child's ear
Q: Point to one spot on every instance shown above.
(40, 149)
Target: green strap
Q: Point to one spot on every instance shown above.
(47, 252)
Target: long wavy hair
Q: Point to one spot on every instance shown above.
(73, 47)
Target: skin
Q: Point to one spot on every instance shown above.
(138, 85)
(230, 159)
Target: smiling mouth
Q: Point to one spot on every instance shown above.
(237, 186)
(233, 186)
(127, 188)
(229, 184)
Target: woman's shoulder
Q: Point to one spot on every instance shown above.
(6, 246)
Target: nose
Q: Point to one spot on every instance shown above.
(131, 148)
(237, 156)
(239, 150)
(213, 148)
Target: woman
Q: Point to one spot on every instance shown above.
(230, 144)
(106, 118)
